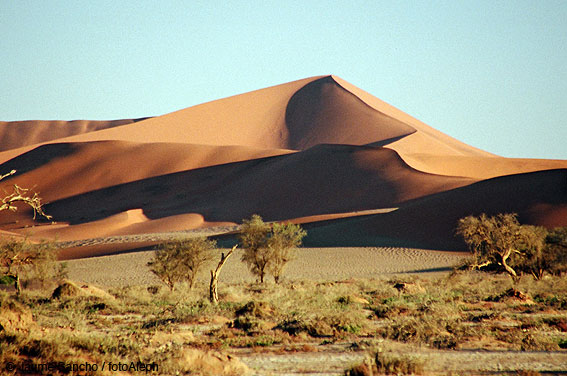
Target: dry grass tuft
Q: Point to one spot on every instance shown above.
(387, 364)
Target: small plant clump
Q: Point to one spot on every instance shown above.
(387, 364)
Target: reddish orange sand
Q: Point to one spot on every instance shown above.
(317, 151)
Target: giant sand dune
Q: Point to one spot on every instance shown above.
(320, 151)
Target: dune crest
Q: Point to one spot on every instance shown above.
(96, 229)
(323, 112)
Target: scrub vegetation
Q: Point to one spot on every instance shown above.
(153, 324)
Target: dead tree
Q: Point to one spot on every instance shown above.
(22, 195)
(213, 296)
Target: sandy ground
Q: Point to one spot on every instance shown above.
(310, 264)
(336, 358)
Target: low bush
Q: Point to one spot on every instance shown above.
(387, 364)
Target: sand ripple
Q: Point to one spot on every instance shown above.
(311, 264)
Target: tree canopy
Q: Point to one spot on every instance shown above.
(501, 243)
(268, 248)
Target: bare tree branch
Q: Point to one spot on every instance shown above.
(22, 195)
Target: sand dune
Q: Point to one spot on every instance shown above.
(540, 198)
(296, 115)
(318, 151)
(479, 167)
(322, 180)
(89, 166)
(126, 223)
(37, 131)
(101, 228)
(254, 119)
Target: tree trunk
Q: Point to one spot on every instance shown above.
(508, 268)
(213, 295)
(17, 284)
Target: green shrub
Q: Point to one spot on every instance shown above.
(268, 249)
(181, 260)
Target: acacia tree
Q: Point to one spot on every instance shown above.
(501, 242)
(283, 242)
(535, 258)
(181, 260)
(267, 249)
(253, 239)
(555, 251)
(18, 255)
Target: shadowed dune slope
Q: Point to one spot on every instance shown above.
(324, 112)
(69, 169)
(540, 198)
(324, 179)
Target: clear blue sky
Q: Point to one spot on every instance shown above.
(490, 73)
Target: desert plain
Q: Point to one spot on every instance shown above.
(378, 192)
